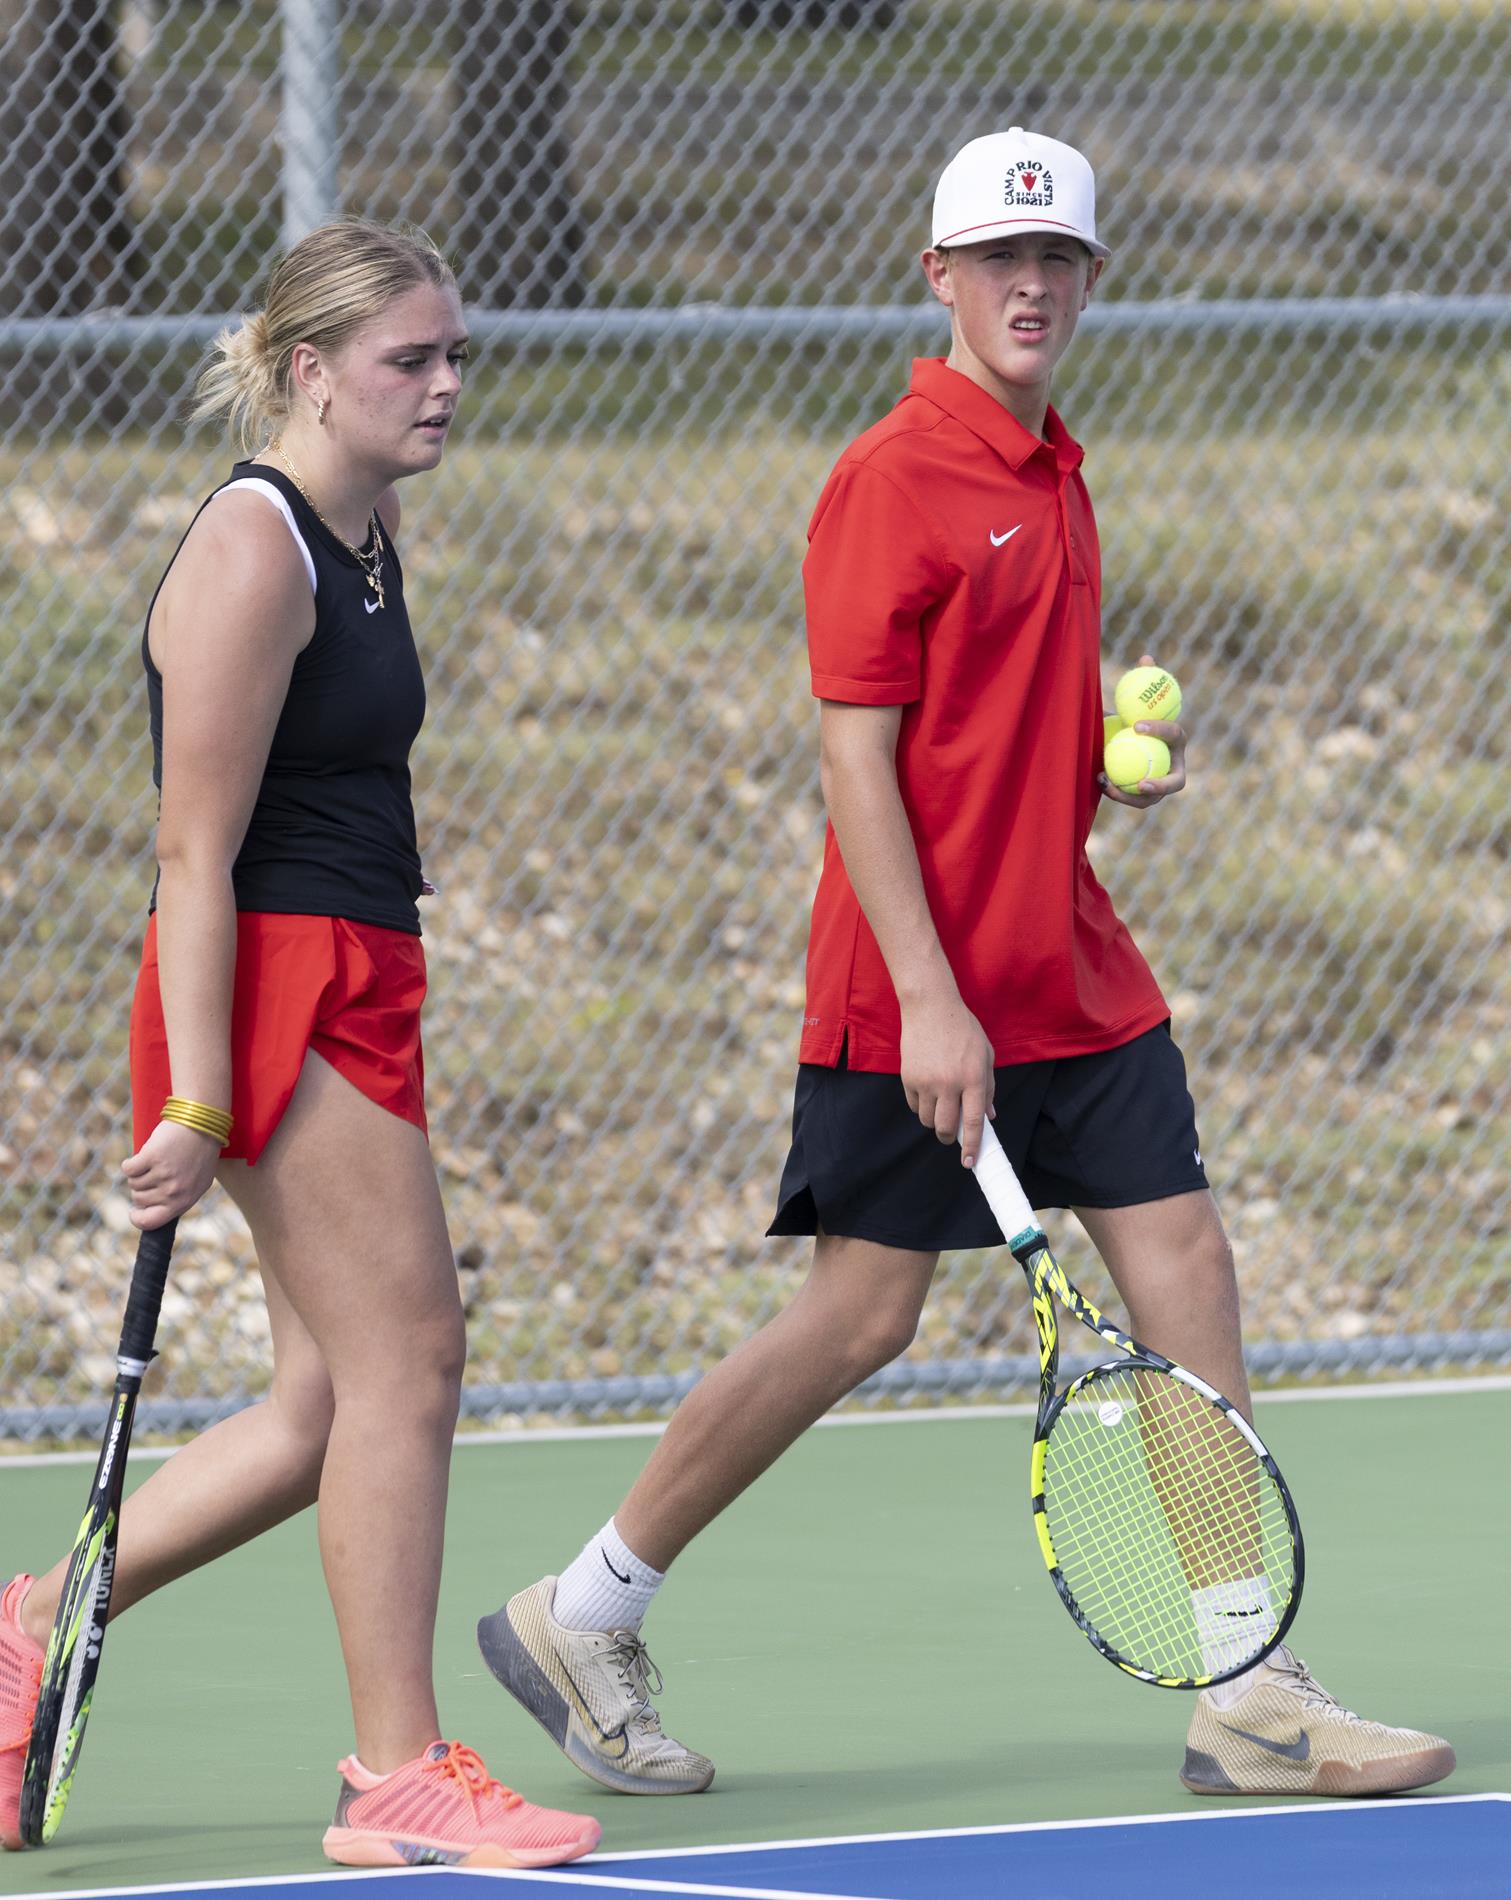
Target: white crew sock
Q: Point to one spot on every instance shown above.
(1232, 1620)
(606, 1586)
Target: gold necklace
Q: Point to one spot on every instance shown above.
(371, 565)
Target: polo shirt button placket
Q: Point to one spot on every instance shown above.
(1068, 537)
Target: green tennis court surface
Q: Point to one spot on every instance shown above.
(866, 1644)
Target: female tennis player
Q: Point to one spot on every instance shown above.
(275, 1033)
(963, 960)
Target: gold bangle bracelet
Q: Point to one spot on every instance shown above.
(198, 1115)
(216, 1131)
(199, 1108)
(204, 1120)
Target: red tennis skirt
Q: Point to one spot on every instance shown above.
(351, 992)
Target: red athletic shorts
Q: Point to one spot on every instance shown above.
(351, 992)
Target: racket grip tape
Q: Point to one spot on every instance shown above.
(1004, 1196)
(144, 1302)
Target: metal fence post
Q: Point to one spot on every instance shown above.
(310, 122)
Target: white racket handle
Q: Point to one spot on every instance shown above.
(1004, 1196)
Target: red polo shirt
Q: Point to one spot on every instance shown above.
(953, 569)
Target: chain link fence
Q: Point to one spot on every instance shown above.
(688, 234)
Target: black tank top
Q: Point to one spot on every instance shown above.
(332, 833)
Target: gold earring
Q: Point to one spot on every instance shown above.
(320, 412)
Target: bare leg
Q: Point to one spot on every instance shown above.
(345, 1199)
(369, 1348)
(856, 1312)
(230, 1484)
(1172, 1265)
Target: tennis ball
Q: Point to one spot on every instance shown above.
(1110, 724)
(1131, 757)
(1147, 692)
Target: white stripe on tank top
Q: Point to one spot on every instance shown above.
(270, 493)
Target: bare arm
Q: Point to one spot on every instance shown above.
(227, 628)
(947, 1061)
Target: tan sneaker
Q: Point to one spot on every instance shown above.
(591, 1691)
(1287, 1735)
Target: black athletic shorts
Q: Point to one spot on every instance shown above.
(1111, 1129)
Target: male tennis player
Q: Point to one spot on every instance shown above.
(963, 961)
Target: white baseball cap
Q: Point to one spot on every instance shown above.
(1016, 181)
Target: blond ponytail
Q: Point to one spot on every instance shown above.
(242, 383)
(328, 285)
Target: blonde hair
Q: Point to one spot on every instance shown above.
(321, 292)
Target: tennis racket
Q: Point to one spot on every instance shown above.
(1167, 1528)
(72, 1659)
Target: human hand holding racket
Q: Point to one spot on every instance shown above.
(1166, 1526)
(72, 1659)
(171, 1170)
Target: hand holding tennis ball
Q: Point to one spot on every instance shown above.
(1145, 693)
(1130, 757)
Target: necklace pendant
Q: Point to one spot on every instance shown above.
(375, 582)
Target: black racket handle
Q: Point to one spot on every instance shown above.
(144, 1302)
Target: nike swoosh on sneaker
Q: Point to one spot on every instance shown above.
(1299, 1750)
(607, 1737)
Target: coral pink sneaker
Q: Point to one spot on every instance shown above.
(446, 1810)
(20, 1684)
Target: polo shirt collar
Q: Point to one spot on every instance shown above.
(983, 415)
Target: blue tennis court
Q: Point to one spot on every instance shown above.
(1414, 1849)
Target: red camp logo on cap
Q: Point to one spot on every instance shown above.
(1029, 185)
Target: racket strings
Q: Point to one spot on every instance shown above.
(1152, 1493)
(1146, 1615)
(1172, 1540)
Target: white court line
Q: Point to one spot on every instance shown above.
(620, 1884)
(1390, 1389)
(557, 1876)
(617, 1882)
(1374, 1806)
(943, 1414)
